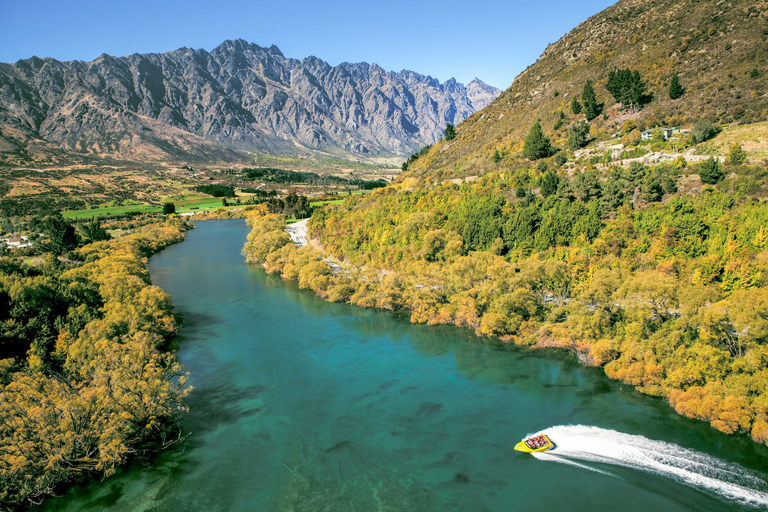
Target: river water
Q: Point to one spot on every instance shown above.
(304, 405)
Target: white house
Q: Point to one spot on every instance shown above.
(648, 134)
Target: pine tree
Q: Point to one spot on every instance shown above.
(592, 108)
(675, 89)
(549, 184)
(450, 132)
(575, 106)
(710, 171)
(536, 144)
(578, 135)
(627, 87)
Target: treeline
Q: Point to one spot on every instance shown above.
(216, 190)
(669, 297)
(287, 177)
(86, 377)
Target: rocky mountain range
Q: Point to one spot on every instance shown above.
(196, 105)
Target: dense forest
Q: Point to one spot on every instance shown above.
(665, 290)
(287, 177)
(87, 379)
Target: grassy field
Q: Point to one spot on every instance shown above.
(104, 211)
(183, 202)
(315, 204)
(752, 137)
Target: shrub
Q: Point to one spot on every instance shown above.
(736, 154)
(703, 130)
(711, 172)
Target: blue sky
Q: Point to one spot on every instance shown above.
(493, 40)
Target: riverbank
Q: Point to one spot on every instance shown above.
(99, 386)
(353, 409)
(533, 304)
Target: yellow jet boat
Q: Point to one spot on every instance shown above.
(535, 444)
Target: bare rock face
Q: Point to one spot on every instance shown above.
(194, 104)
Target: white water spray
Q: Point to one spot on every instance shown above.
(699, 470)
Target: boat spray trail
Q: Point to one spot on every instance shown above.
(593, 444)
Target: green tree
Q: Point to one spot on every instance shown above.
(496, 156)
(169, 208)
(536, 144)
(578, 135)
(651, 188)
(675, 89)
(586, 185)
(736, 154)
(61, 235)
(627, 88)
(94, 232)
(703, 130)
(710, 171)
(635, 173)
(575, 106)
(549, 184)
(592, 108)
(450, 132)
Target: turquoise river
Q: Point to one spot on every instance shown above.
(304, 405)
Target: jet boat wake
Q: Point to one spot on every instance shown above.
(699, 470)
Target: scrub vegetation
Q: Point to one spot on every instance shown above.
(87, 377)
(664, 289)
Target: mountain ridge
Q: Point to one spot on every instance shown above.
(719, 49)
(239, 97)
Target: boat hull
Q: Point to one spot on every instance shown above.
(522, 447)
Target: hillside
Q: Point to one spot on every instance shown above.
(647, 262)
(200, 106)
(719, 49)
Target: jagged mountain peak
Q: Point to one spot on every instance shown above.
(238, 96)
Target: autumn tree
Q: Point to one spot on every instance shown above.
(736, 154)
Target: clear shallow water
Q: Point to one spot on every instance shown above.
(305, 405)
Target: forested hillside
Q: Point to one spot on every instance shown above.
(716, 51)
(87, 379)
(666, 291)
